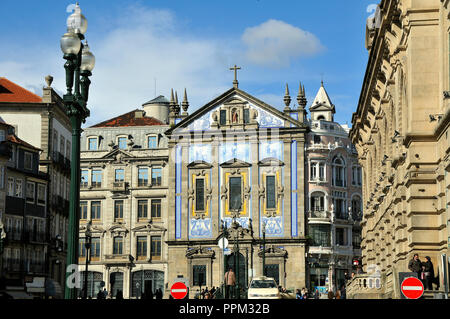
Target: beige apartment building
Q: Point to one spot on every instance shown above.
(400, 130)
(123, 199)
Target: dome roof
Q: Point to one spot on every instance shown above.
(158, 100)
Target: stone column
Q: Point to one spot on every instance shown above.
(255, 214)
(215, 199)
(287, 188)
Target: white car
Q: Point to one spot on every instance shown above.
(263, 288)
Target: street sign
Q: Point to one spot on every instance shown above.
(178, 290)
(223, 243)
(412, 288)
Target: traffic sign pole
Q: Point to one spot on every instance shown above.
(412, 288)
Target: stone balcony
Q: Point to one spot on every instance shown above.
(364, 286)
(321, 214)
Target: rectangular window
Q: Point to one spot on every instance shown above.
(19, 188)
(340, 236)
(92, 144)
(156, 247)
(95, 249)
(317, 139)
(84, 178)
(152, 142)
(82, 248)
(143, 177)
(96, 210)
(118, 209)
(68, 149)
(83, 209)
(156, 208)
(122, 143)
(31, 192)
(321, 235)
(11, 186)
(271, 196)
(223, 117)
(2, 177)
(62, 145)
(199, 275)
(96, 178)
(118, 245)
(235, 201)
(120, 175)
(142, 209)
(41, 194)
(322, 171)
(156, 176)
(28, 161)
(313, 171)
(199, 194)
(141, 247)
(356, 240)
(246, 116)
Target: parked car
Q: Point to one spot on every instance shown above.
(263, 288)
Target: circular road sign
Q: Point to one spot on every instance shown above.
(178, 290)
(412, 288)
(223, 243)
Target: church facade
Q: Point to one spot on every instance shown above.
(236, 166)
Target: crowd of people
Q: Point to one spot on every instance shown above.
(206, 294)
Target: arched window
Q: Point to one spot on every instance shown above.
(339, 172)
(321, 118)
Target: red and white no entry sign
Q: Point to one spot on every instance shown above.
(412, 288)
(178, 290)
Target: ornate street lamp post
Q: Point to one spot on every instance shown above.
(223, 239)
(79, 65)
(87, 244)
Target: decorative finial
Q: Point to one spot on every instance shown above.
(235, 82)
(301, 97)
(287, 98)
(185, 103)
(49, 80)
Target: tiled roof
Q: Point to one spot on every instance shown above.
(130, 119)
(11, 92)
(14, 139)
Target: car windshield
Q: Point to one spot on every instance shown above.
(263, 284)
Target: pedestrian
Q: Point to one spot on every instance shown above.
(415, 265)
(429, 273)
(230, 281)
(303, 292)
(298, 294)
(100, 295)
(105, 293)
(330, 294)
(316, 294)
(338, 294)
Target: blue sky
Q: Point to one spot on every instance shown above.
(191, 44)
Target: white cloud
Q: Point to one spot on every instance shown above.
(275, 43)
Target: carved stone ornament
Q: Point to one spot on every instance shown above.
(200, 252)
(223, 192)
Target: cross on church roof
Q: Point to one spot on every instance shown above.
(235, 82)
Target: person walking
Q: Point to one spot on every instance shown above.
(316, 294)
(230, 282)
(100, 295)
(298, 294)
(429, 273)
(415, 265)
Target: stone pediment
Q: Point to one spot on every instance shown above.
(201, 120)
(118, 229)
(234, 163)
(272, 251)
(321, 107)
(199, 165)
(149, 227)
(94, 229)
(118, 156)
(270, 161)
(200, 252)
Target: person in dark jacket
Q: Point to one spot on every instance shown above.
(415, 265)
(429, 273)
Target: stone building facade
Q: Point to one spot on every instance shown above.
(237, 164)
(400, 130)
(123, 200)
(334, 201)
(43, 123)
(24, 217)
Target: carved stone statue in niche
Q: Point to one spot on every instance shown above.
(235, 116)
